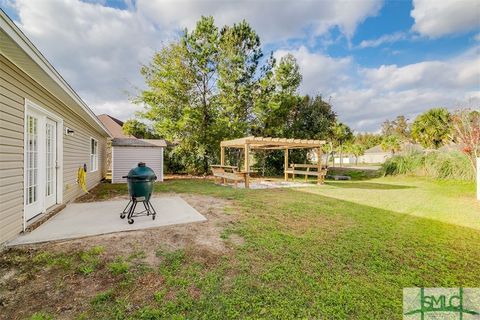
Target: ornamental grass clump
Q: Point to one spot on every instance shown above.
(452, 165)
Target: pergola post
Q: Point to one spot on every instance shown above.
(285, 164)
(319, 165)
(222, 160)
(247, 166)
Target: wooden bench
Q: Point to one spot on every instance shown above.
(307, 170)
(229, 173)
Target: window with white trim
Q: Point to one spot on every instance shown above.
(93, 155)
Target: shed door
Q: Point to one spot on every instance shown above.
(40, 163)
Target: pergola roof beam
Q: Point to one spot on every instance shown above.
(271, 143)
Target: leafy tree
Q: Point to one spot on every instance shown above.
(368, 140)
(138, 129)
(311, 118)
(277, 97)
(201, 46)
(213, 85)
(356, 150)
(200, 89)
(388, 128)
(170, 105)
(398, 127)
(239, 57)
(391, 143)
(466, 131)
(328, 149)
(432, 128)
(402, 128)
(341, 134)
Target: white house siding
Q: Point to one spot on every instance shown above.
(373, 158)
(126, 158)
(345, 160)
(15, 87)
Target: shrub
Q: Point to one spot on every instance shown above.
(439, 165)
(90, 260)
(119, 266)
(41, 316)
(102, 297)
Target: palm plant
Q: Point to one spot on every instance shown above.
(432, 128)
(391, 143)
(328, 150)
(357, 150)
(341, 134)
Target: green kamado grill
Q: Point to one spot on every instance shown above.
(140, 182)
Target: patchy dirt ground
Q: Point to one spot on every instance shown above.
(26, 288)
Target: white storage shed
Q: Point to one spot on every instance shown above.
(128, 152)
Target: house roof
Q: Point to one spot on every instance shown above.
(134, 142)
(23, 53)
(412, 147)
(376, 149)
(113, 125)
(406, 147)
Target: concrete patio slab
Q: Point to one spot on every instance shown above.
(94, 218)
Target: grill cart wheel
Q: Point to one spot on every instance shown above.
(140, 187)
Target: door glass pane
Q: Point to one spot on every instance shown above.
(32, 159)
(50, 158)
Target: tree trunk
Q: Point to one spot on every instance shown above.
(205, 163)
(205, 124)
(341, 156)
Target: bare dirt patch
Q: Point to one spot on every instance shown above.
(26, 288)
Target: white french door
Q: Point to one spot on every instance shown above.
(40, 163)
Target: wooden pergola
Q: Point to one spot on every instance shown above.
(264, 143)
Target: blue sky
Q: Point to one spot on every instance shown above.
(373, 59)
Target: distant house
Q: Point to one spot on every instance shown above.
(345, 159)
(125, 151)
(47, 133)
(411, 148)
(114, 126)
(377, 155)
(374, 155)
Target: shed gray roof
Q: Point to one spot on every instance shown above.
(134, 142)
(157, 142)
(376, 149)
(405, 148)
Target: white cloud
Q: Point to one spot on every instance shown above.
(99, 49)
(274, 20)
(435, 18)
(387, 38)
(365, 97)
(320, 72)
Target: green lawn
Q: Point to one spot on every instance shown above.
(340, 251)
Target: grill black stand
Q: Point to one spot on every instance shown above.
(129, 210)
